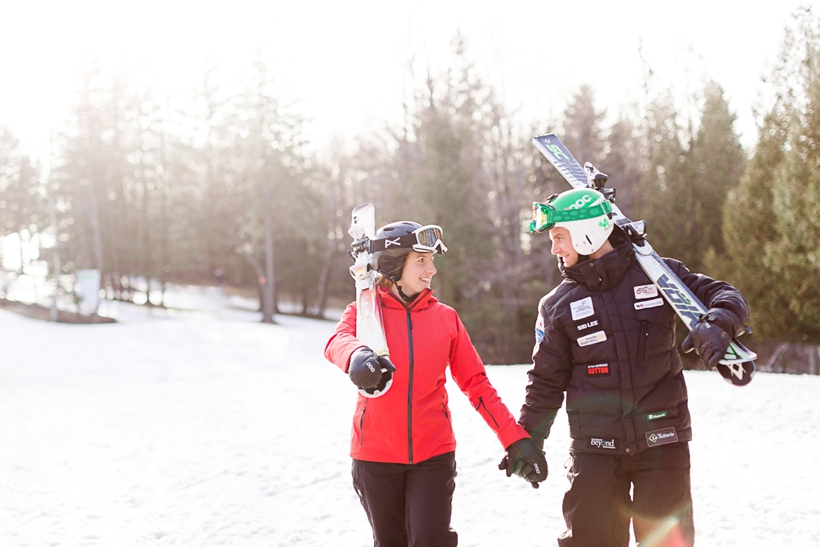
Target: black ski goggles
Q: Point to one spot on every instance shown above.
(427, 239)
(545, 216)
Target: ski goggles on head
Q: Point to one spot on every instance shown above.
(427, 239)
(545, 216)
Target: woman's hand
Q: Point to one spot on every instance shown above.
(367, 369)
(526, 460)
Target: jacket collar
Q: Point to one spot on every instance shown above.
(422, 300)
(607, 271)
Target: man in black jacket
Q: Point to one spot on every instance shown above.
(606, 338)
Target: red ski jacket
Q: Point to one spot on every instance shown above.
(411, 422)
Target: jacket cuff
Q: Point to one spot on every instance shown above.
(512, 434)
(349, 357)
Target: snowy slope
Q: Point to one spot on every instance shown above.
(204, 428)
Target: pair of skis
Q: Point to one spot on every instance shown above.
(737, 365)
(369, 323)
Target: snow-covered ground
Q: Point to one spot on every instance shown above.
(200, 428)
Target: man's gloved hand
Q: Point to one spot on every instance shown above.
(525, 459)
(709, 337)
(367, 369)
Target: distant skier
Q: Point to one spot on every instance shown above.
(403, 446)
(607, 338)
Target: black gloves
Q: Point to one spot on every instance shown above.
(525, 459)
(369, 371)
(711, 336)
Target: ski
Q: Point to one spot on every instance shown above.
(369, 323)
(737, 366)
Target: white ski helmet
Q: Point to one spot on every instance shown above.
(585, 213)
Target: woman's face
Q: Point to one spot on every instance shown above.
(418, 273)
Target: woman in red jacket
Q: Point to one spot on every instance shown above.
(403, 447)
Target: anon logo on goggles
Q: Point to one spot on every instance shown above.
(427, 239)
(545, 216)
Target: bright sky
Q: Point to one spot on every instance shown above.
(343, 61)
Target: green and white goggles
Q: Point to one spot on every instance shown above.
(545, 216)
(426, 239)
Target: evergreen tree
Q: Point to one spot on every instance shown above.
(666, 195)
(718, 161)
(748, 228)
(771, 224)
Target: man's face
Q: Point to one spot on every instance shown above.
(562, 246)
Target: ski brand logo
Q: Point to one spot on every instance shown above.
(606, 444)
(590, 339)
(598, 370)
(581, 308)
(388, 242)
(658, 437)
(559, 154)
(645, 291)
(654, 303)
(587, 325)
(657, 415)
(684, 306)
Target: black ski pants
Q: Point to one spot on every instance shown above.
(408, 505)
(598, 506)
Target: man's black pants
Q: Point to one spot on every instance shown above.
(408, 505)
(598, 508)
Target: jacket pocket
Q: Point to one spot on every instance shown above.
(361, 424)
(481, 405)
(445, 411)
(642, 343)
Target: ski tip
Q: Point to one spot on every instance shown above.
(737, 374)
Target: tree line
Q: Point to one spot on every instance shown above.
(140, 187)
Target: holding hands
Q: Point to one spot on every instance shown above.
(526, 459)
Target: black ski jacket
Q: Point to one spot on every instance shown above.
(606, 337)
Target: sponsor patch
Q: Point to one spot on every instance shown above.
(581, 308)
(657, 415)
(658, 437)
(588, 324)
(594, 338)
(643, 292)
(539, 329)
(603, 444)
(654, 303)
(598, 370)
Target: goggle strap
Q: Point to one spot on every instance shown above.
(405, 241)
(569, 215)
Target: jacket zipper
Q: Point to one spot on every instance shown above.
(361, 423)
(408, 309)
(410, 389)
(487, 410)
(642, 344)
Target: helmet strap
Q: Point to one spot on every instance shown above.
(404, 297)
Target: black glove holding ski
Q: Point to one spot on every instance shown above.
(368, 370)
(711, 335)
(525, 459)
